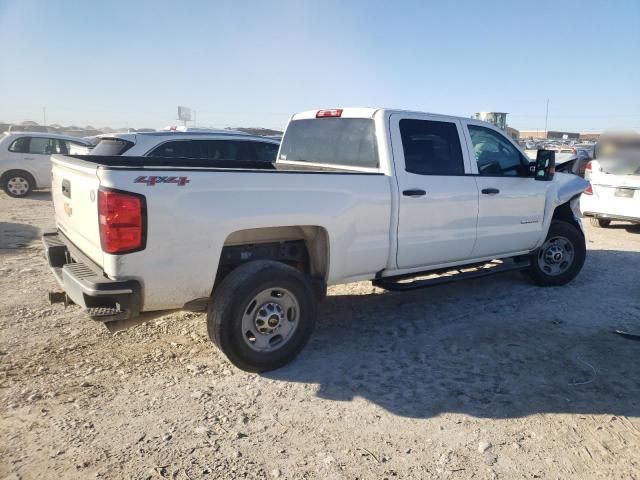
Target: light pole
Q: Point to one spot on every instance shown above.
(546, 119)
(44, 116)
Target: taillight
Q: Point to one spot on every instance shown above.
(588, 190)
(587, 171)
(122, 221)
(333, 112)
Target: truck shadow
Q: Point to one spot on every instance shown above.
(34, 195)
(629, 227)
(497, 348)
(16, 235)
(40, 195)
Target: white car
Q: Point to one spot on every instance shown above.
(356, 194)
(24, 159)
(200, 144)
(613, 193)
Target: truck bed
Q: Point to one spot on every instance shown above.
(194, 208)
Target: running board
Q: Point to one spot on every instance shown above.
(403, 283)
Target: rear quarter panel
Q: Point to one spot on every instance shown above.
(188, 224)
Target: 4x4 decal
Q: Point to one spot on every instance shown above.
(152, 180)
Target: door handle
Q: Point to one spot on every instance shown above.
(414, 192)
(490, 191)
(28, 158)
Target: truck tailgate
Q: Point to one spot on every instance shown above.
(74, 189)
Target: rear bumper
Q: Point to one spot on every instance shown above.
(607, 216)
(102, 298)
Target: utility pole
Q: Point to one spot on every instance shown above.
(195, 115)
(546, 120)
(44, 116)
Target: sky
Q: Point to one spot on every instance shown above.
(255, 63)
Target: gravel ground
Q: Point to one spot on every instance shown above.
(484, 379)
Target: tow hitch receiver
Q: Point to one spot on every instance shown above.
(60, 297)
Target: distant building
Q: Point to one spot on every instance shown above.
(590, 136)
(556, 135)
(534, 134)
(512, 132)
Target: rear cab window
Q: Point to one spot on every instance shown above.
(347, 142)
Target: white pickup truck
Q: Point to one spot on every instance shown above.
(405, 199)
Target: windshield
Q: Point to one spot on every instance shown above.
(335, 141)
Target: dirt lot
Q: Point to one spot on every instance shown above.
(485, 379)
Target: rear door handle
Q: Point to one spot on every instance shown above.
(490, 191)
(414, 192)
(28, 158)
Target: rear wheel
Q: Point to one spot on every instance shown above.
(262, 315)
(561, 256)
(17, 183)
(600, 222)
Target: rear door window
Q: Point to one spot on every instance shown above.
(334, 141)
(175, 149)
(431, 147)
(227, 150)
(263, 151)
(43, 146)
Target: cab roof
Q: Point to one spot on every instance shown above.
(47, 135)
(360, 112)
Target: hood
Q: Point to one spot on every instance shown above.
(567, 186)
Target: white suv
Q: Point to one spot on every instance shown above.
(24, 159)
(204, 144)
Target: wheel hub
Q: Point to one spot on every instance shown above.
(18, 185)
(268, 317)
(556, 256)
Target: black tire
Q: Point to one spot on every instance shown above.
(599, 222)
(21, 176)
(576, 241)
(231, 300)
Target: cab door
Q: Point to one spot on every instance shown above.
(37, 159)
(511, 201)
(438, 198)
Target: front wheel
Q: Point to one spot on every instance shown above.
(561, 256)
(262, 315)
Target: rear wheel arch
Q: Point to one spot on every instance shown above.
(303, 247)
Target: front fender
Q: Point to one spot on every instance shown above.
(563, 188)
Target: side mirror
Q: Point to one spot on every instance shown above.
(545, 166)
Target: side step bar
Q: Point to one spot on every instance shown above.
(403, 283)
